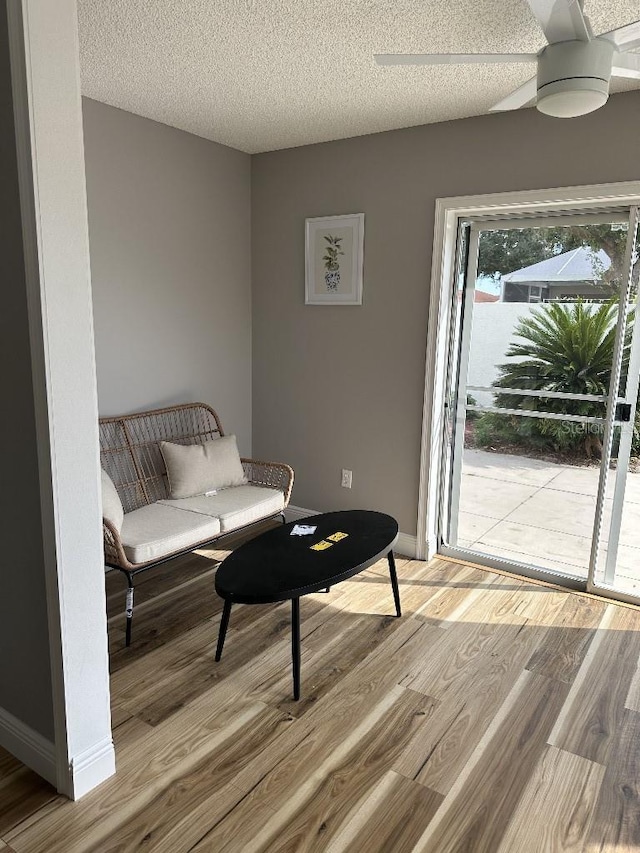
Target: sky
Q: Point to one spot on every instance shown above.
(488, 284)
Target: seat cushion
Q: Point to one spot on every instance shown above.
(194, 469)
(155, 531)
(235, 507)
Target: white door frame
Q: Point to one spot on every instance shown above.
(448, 212)
(607, 585)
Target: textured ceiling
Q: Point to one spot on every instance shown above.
(265, 74)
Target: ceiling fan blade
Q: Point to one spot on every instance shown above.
(624, 38)
(520, 97)
(451, 58)
(561, 20)
(626, 65)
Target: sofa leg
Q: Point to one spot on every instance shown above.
(129, 610)
(282, 518)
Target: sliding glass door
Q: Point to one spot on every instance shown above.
(615, 559)
(542, 391)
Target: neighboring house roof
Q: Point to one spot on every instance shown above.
(481, 296)
(582, 264)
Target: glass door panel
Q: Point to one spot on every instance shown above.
(533, 346)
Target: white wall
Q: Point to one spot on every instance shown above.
(170, 232)
(491, 335)
(343, 386)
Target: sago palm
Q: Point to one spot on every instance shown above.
(566, 348)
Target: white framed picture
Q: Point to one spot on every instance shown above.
(334, 254)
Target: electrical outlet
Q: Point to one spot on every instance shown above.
(347, 476)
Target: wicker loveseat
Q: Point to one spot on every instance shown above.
(155, 528)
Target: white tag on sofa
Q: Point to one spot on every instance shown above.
(211, 493)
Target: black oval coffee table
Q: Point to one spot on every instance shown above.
(277, 566)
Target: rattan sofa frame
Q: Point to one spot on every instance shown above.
(130, 454)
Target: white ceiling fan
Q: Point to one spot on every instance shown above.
(574, 69)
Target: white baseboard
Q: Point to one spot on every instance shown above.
(432, 548)
(28, 746)
(86, 771)
(406, 545)
(295, 513)
(92, 767)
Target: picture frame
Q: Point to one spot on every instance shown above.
(334, 259)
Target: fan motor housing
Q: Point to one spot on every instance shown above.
(575, 65)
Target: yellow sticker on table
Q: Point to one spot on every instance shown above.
(322, 545)
(336, 537)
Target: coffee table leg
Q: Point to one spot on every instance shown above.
(224, 624)
(295, 645)
(394, 582)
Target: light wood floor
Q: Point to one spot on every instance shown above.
(496, 715)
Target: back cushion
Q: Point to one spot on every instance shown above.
(111, 504)
(194, 469)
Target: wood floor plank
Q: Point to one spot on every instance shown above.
(467, 708)
(327, 793)
(129, 733)
(264, 676)
(555, 811)
(327, 667)
(595, 705)
(155, 583)
(475, 813)
(8, 764)
(466, 646)
(632, 701)
(22, 794)
(119, 712)
(161, 622)
(392, 817)
(418, 582)
(565, 646)
(456, 593)
(367, 593)
(161, 757)
(379, 673)
(323, 747)
(180, 814)
(615, 827)
(428, 732)
(231, 835)
(188, 670)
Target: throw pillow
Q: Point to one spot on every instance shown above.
(111, 504)
(194, 469)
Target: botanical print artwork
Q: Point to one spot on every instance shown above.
(334, 260)
(331, 262)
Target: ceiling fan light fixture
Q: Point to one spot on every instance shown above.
(572, 98)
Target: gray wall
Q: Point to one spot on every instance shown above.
(342, 387)
(25, 675)
(169, 231)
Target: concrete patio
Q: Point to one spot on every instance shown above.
(542, 513)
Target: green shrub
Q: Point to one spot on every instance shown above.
(567, 348)
(471, 414)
